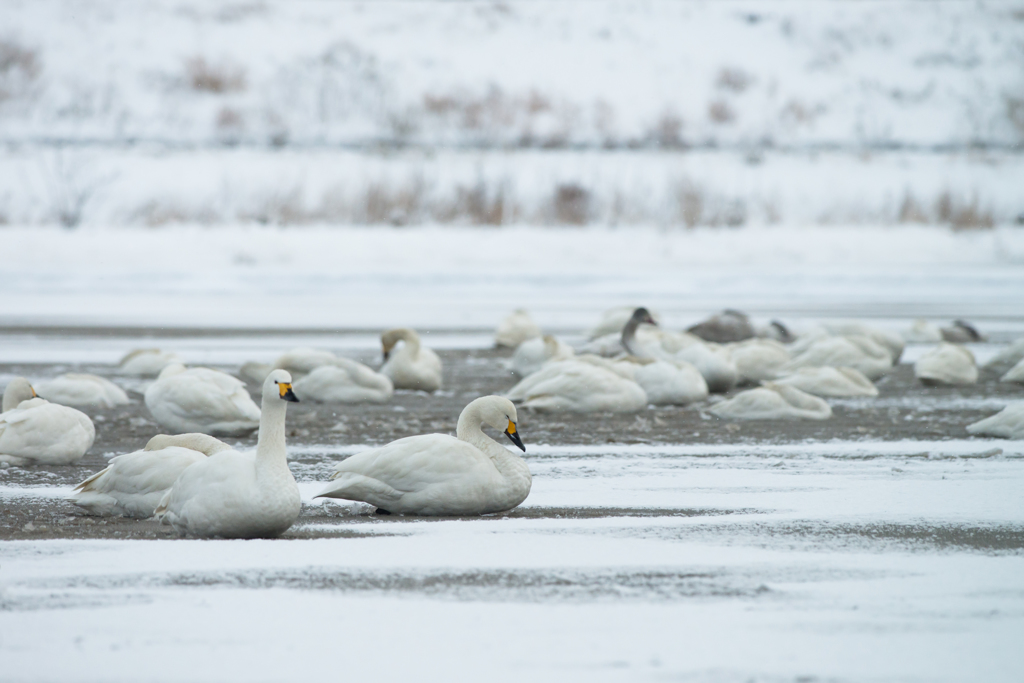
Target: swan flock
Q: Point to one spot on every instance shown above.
(189, 479)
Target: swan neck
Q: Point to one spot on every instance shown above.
(271, 451)
(629, 335)
(412, 343)
(507, 463)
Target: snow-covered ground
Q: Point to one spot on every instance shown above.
(782, 563)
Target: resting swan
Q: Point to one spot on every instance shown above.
(946, 364)
(1014, 374)
(201, 400)
(412, 366)
(436, 474)
(830, 382)
(727, 326)
(856, 351)
(1008, 423)
(82, 391)
(758, 359)
(147, 362)
(34, 431)
(581, 386)
(515, 329)
(344, 381)
(1004, 361)
(773, 402)
(133, 484)
(240, 495)
(533, 353)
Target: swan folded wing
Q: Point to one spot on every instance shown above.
(40, 430)
(134, 483)
(215, 492)
(410, 465)
(206, 402)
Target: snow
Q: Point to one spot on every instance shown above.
(791, 568)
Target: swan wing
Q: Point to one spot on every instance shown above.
(45, 432)
(133, 483)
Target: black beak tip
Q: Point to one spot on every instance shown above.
(290, 396)
(514, 438)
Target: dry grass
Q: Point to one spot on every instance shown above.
(962, 215)
(203, 76)
(719, 111)
(668, 131)
(571, 204)
(911, 211)
(736, 80)
(20, 66)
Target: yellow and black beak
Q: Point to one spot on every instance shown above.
(513, 434)
(286, 392)
(33, 390)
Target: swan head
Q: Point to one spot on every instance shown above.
(642, 315)
(279, 385)
(18, 389)
(392, 337)
(497, 412)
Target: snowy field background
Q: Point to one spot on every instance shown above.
(231, 179)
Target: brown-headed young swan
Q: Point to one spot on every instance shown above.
(436, 474)
(240, 495)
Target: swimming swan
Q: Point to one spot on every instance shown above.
(946, 364)
(240, 495)
(34, 431)
(436, 474)
(581, 386)
(412, 366)
(344, 381)
(1008, 423)
(830, 382)
(515, 329)
(133, 484)
(147, 362)
(201, 400)
(533, 353)
(82, 391)
(773, 402)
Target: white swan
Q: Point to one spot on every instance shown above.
(34, 431)
(1003, 361)
(1007, 423)
(713, 362)
(670, 382)
(579, 385)
(82, 391)
(758, 359)
(922, 332)
(133, 484)
(515, 329)
(856, 351)
(773, 402)
(344, 381)
(412, 366)
(533, 353)
(1014, 374)
(830, 382)
(946, 364)
(436, 474)
(147, 362)
(299, 361)
(890, 341)
(240, 495)
(201, 400)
